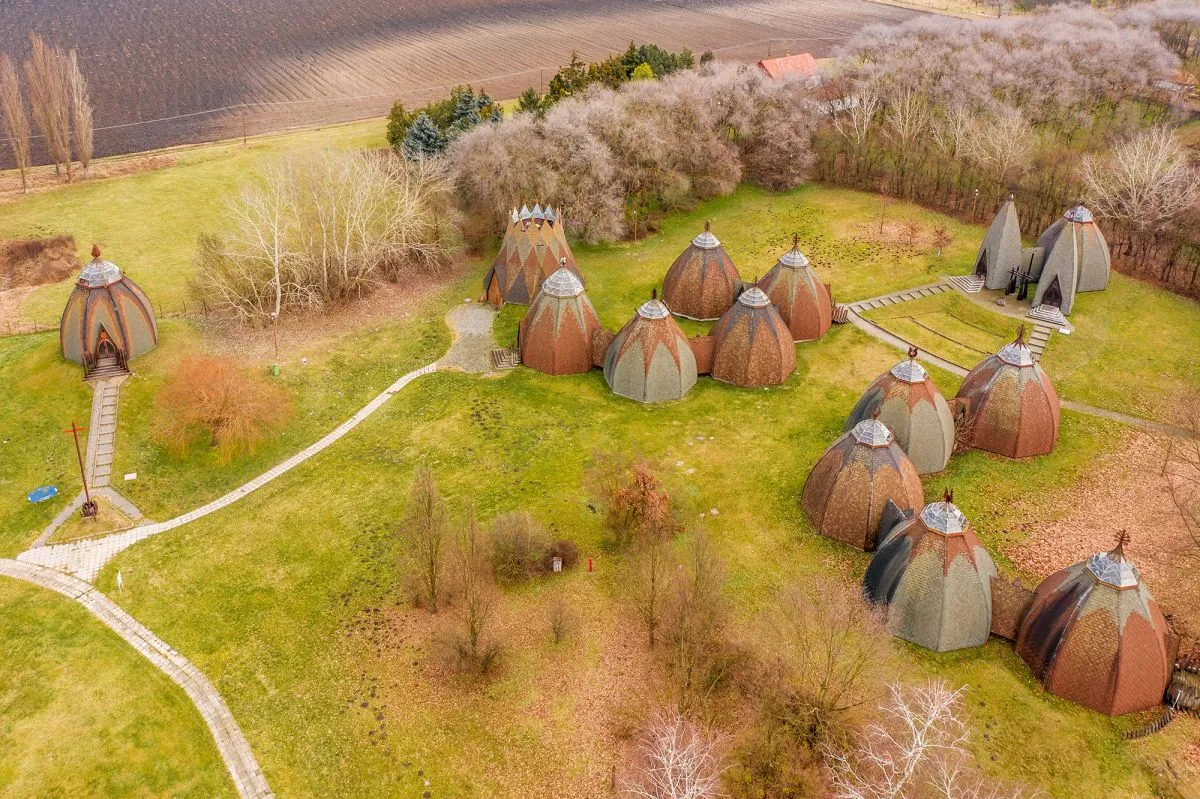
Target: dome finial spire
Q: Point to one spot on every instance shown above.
(948, 495)
(96, 251)
(1020, 340)
(654, 293)
(912, 353)
(795, 240)
(1118, 552)
(707, 225)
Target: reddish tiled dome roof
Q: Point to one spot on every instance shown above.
(649, 360)
(703, 281)
(802, 300)
(557, 331)
(752, 345)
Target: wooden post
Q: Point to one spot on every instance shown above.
(89, 507)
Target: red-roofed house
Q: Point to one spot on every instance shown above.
(802, 65)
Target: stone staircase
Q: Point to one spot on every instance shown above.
(1048, 314)
(106, 368)
(504, 358)
(898, 297)
(970, 284)
(102, 438)
(1038, 339)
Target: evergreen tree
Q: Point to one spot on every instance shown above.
(423, 139)
(642, 72)
(530, 102)
(466, 110)
(398, 120)
(707, 57)
(571, 79)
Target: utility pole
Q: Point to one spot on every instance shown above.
(88, 511)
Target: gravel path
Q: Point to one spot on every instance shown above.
(231, 743)
(473, 339)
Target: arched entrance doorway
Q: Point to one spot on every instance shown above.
(1053, 295)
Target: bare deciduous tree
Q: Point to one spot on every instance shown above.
(317, 230)
(14, 118)
(1144, 184)
(474, 646)
(677, 760)
(1002, 143)
(1182, 467)
(81, 112)
(916, 750)
(50, 98)
(696, 614)
(648, 577)
(423, 533)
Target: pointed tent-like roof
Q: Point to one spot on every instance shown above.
(1075, 254)
(935, 579)
(751, 344)
(906, 399)
(851, 483)
(702, 282)
(1001, 248)
(105, 299)
(1095, 635)
(557, 331)
(1011, 406)
(532, 250)
(649, 360)
(803, 301)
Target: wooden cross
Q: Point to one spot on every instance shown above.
(89, 506)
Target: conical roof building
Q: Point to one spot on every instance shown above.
(557, 331)
(751, 344)
(803, 300)
(1010, 406)
(703, 282)
(907, 401)
(851, 483)
(649, 360)
(1000, 252)
(1095, 635)
(107, 317)
(935, 579)
(534, 248)
(1074, 257)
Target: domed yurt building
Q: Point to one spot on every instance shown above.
(906, 400)
(703, 282)
(556, 334)
(108, 319)
(803, 300)
(1000, 252)
(649, 360)
(1095, 635)
(1069, 257)
(534, 248)
(935, 579)
(851, 483)
(1009, 405)
(752, 346)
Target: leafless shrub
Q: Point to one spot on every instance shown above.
(220, 400)
(318, 229)
(518, 546)
(631, 498)
(560, 617)
(695, 617)
(564, 550)
(49, 97)
(916, 750)
(422, 534)
(472, 643)
(14, 119)
(678, 759)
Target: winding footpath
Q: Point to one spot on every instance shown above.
(69, 568)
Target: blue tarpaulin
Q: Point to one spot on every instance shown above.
(42, 494)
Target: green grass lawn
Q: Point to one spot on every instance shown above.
(264, 607)
(83, 714)
(42, 394)
(147, 223)
(948, 325)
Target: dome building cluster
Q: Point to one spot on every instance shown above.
(751, 343)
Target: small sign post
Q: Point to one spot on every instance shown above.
(88, 511)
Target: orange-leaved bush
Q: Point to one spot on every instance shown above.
(220, 401)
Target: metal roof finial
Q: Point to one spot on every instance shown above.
(96, 251)
(948, 495)
(1020, 340)
(1118, 552)
(795, 240)
(912, 353)
(707, 225)
(654, 293)
(562, 262)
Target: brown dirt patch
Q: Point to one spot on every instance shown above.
(36, 262)
(42, 179)
(1125, 491)
(298, 333)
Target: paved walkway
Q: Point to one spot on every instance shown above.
(231, 743)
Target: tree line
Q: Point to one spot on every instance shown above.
(59, 103)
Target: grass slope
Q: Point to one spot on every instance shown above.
(268, 609)
(83, 714)
(147, 223)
